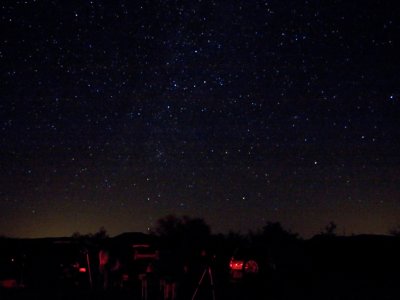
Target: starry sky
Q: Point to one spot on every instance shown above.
(118, 113)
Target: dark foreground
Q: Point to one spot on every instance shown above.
(331, 268)
(322, 286)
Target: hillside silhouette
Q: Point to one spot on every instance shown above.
(326, 266)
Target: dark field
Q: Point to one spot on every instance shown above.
(301, 288)
(361, 267)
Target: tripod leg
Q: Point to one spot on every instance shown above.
(198, 285)
(211, 282)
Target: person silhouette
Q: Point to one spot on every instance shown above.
(104, 267)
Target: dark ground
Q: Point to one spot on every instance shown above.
(349, 268)
(328, 286)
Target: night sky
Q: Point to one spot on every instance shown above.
(118, 113)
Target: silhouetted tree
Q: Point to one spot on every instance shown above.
(274, 232)
(97, 237)
(330, 229)
(185, 242)
(101, 234)
(188, 237)
(395, 231)
(235, 239)
(279, 245)
(168, 226)
(184, 231)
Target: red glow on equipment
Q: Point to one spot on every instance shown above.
(82, 270)
(236, 264)
(8, 283)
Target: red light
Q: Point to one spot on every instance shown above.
(236, 264)
(82, 270)
(8, 283)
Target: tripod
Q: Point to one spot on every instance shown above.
(209, 271)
